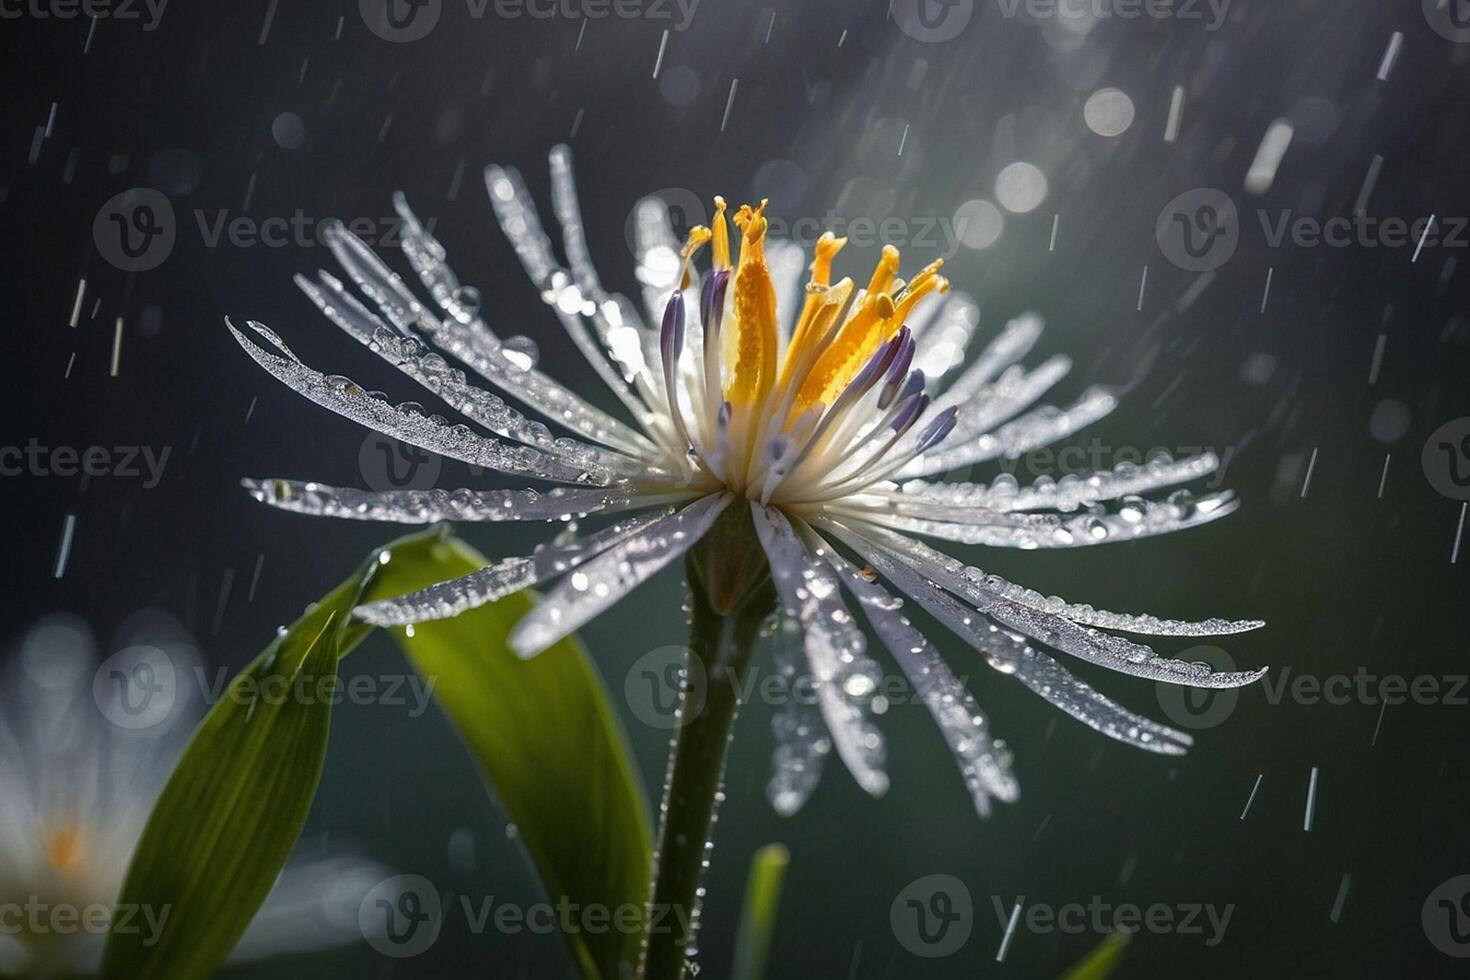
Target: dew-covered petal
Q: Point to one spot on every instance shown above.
(429, 506)
(610, 576)
(1006, 349)
(945, 334)
(1083, 642)
(500, 579)
(802, 740)
(1039, 427)
(621, 341)
(1066, 494)
(409, 426)
(1141, 623)
(471, 342)
(844, 676)
(984, 760)
(1137, 518)
(410, 356)
(1009, 653)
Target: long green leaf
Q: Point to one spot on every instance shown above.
(556, 758)
(231, 811)
(758, 918)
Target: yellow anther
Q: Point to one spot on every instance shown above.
(698, 235)
(884, 272)
(926, 282)
(854, 344)
(825, 251)
(721, 233)
(754, 312)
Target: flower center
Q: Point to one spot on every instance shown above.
(804, 416)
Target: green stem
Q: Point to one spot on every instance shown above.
(732, 596)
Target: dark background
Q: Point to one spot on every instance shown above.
(1346, 579)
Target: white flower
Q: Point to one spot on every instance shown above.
(76, 790)
(827, 412)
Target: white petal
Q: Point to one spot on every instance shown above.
(429, 506)
(495, 581)
(843, 674)
(1113, 652)
(1138, 518)
(426, 432)
(802, 741)
(983, 759)
(1042, 426)
(1011, 654)
(410, 356)
(1008, 347)
(474, 344)
(1067, 494)
(516, 213)
(613, 574)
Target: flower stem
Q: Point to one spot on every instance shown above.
(732, 598)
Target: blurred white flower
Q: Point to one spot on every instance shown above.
(78, 780)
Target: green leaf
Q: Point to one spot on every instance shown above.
(557, 760)
(231, 811)
(758, 918)
(1102, 961)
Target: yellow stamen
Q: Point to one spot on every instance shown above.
(927, 281)
(721, 232)
(754, 312)
(826, 250)
(65, 847)
(852, 346)
(698, 235)
(884, 271)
